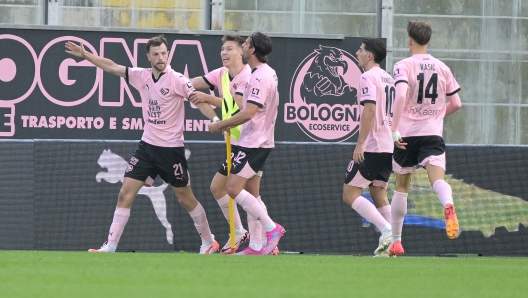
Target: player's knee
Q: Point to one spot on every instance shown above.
(232, 189)
(124, 199)
(181, 200)
(349, 198)
(217, 190)
(186, 199)
(345, 199)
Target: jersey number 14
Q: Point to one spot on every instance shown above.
(430, 89)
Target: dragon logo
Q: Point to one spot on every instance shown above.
(323, 95)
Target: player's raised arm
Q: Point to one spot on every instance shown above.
(198, 97)
(101, 62)
(200, 83)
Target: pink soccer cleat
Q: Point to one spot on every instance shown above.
(273, 237)
(250, 251)
(275, 251)
(396, 249)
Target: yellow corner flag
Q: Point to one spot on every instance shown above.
(229, 106)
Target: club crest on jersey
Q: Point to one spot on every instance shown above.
(323, 96)
(164, 91)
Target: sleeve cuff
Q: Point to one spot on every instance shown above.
(211, 86)
(367, 101)
(454, 92)
(258, 104)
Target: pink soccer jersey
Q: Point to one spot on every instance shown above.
(162, 102)
(261, 90)
(429, 81)
(236, 84)
(377, 86)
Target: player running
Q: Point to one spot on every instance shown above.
(423, 84)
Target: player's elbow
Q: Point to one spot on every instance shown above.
(457, 105)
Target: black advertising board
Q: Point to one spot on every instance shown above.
(48, 94)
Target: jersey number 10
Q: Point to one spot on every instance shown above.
(390, 94)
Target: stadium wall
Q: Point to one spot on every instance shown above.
(61, 195)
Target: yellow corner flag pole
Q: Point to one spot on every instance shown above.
(229, 107)
(231, 201)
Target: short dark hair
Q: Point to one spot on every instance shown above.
(377, 47)
(235, 38)
(156, 42)
(419, 31)
(262, 44)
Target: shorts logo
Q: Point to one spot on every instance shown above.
(133, 161)
(323, 96)
(350, 166)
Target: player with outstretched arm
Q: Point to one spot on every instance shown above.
(160, 151)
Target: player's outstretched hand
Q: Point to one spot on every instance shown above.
(75, 50)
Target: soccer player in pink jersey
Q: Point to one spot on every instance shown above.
(238, 74)
(160, 151)
(257, 116)
(423, 84)
(371, 163)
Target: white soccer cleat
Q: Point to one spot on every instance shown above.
(209, 249)
(107, 247)
(384, 254)
(239, 239)
(384, 243)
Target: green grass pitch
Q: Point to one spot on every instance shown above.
(81, 274)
